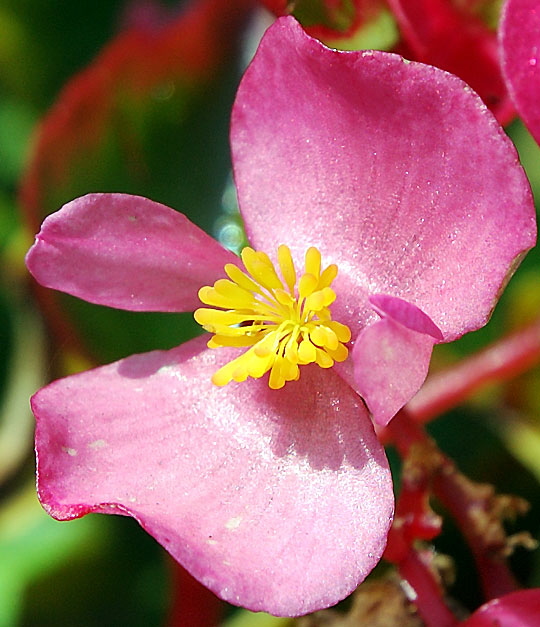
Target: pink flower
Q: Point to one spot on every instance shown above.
(517, 609)
(280, 499)
(520, 47)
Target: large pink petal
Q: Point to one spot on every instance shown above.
(391, 357)
(517, 609)
(395, 170)
(126, 252)
(276, 500)
(520, 48)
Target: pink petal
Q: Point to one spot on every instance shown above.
(391, 357)
(520, 47)
(277, 501)
(126, 252)
(517, 609)
(395, 170)
(406, 314)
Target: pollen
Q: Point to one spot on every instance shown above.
(283, 321)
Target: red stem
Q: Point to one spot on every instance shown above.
(503, 360)
(465, 501)
(427, 593)
(495, 577)
(193, 604)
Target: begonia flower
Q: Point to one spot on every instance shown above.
(377, 194)
(517, 609)
(520, 50)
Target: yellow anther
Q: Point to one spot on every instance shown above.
(328, 275)
(313, 262)
(291, 349)
(214, 318)
(225, 294)
(315, 301)
(338, 354)
(329, 296)
(323, 359)
(341, 330)
(286, 265)
(266, 346)
(284, 298)
(284, 323)
(261, 269)
(307, 285)
(318, 336)
(306, 352)
(241, 279)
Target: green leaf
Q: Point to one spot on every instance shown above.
(149, 117)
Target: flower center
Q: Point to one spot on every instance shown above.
(284, 322)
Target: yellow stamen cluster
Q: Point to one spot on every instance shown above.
(285, 323)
